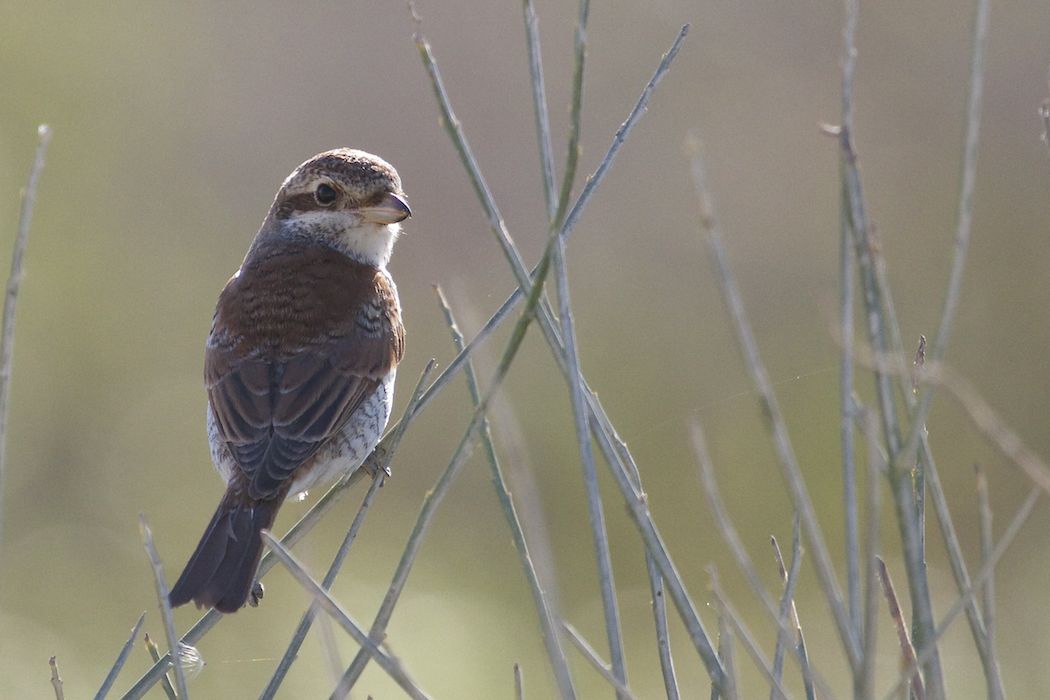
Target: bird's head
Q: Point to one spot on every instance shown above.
(350, 199)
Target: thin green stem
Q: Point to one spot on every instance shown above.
(612, 447)
(728, 658)
(918, 689)
(987, 569)
(154, 653)
(663, 635)
(900, 476)
(544, 607)
(595, 512)
(122, 657)
(925, 472)
(596, 662)
(731, 536)
(305, 623)
(165, 608)
(437, 493)
(292, 652)
(736, 622)
(14, 284)
(964, 219)
(903, 456)
(572, 156)
(788, 610)
(539, 103)
(984, 510)
(56, 679)
(388, 663)
(864, 681)
(846, 283)
(778, 427)
(964, 216)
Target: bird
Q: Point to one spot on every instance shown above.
(300, 362)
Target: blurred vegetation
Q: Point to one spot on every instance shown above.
(174, 125)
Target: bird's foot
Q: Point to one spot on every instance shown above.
(256, 594)
(376, 464)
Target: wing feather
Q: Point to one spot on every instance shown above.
(282, 384)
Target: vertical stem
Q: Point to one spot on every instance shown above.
(578, 398)
(864, 681)
(596, 661)
(846, 409)
(849, 471)
(56, 679)
(165, 608)
(967, 178)
(544, 608)
(663, 640)
(994, 683)
(437, 493)
(595, 511)
(573, 154)
(786, 457)
(627, 480)
(539, 103)
(122, 657)
(908, 660)
(905, 499)
(14, 283)
(154, 653)
(736, 547)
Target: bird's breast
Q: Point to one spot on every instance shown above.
(290, 295)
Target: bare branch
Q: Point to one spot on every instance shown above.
(388, 663)
(165, 607)
(122, 657)
(604, 669)
(14, 284)
(56, 679)
(907, 650)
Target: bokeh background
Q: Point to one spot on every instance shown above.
(175, 123)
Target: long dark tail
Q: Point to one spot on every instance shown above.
(222, 569)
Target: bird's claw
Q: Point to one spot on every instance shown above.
(256, 594)
(376, 464)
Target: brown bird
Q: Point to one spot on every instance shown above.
(301, 358)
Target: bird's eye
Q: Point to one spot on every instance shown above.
(325, 194)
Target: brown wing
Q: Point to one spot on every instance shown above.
(301, 338)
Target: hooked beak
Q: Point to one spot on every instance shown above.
(389, 210)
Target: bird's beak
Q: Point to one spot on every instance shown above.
(388, 210)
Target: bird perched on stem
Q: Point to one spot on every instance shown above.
(301, 358)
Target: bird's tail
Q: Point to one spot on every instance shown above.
(222, 569)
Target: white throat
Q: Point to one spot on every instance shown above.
(365, 242)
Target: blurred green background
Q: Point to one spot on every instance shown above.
(174, 125)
